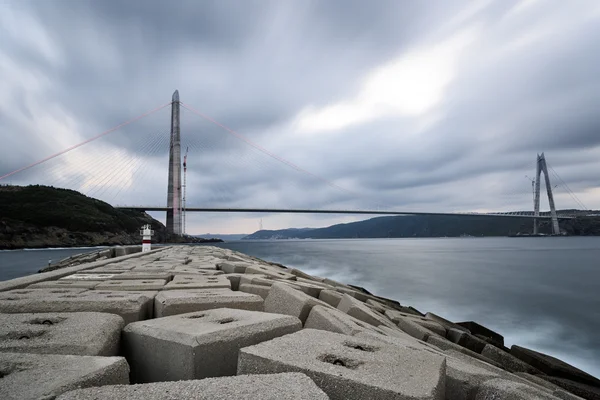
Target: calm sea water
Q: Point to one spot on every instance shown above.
(542, 293)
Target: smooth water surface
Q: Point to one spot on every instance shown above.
(16, 263)
(542, 293)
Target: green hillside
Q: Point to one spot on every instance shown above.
(42, 216)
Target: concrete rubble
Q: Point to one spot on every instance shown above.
(182, 321)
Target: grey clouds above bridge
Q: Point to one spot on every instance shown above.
(415, 106)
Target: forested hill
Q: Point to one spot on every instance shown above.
(42, 216)
(431, 226)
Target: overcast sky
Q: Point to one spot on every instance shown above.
(406, 105)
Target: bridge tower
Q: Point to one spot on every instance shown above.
(174, 185)
(542, 167)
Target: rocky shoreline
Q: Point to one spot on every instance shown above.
(202, 322)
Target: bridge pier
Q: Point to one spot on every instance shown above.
(174, 185)
(541, 166)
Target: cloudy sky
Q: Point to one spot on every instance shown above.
(405, 105)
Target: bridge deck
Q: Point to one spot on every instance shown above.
(348, 212)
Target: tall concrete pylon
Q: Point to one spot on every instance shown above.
(174, 188)
(542, 167)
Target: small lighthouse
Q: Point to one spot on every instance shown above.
(146, 233)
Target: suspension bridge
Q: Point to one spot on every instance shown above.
(101, 175)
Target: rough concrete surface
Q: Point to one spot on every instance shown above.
(198, 282)
(259, 290)
(510, 390)
(79, 284)
(283, 299)
(331, 297)
(361, 311)
(172, 302)
(507, 360)
(44, 376)
(132, 284)
(270, 271)
(81, 333)
(552, 366)
(198, 345)
(80, 276)
(288, 386)
(131, 306)
(332, 320)
(466, 340)
(346, 367)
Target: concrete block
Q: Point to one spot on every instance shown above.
(198, 345)
(466, 340)
(507, 360)
(65, 284)
(185, 282)
(586, 391)
(331, 297)
(256, 279)
(347, 367)
(45, 376)
(81, 333)
(245, 387)
(166, 276)
(445, 322)
(132, 284)
(353, 293)
(464, 375)
(510, 390)
(111, 269)
(415, 330)
(260, 290)
(80, 276)
(538, 381)
(131, 306)
(332, 320)
(283, 299)
(377, 306)
(553, 366)
(433, 326)
(300, 274)
(172, 302)
(232, 268)
(361, 311)
(234, 279)
(445, 344)
(18, 293)
(191, 270)
(336, 284)
(477, 329)
(269, 271)
(204, 265)
(308, 288)
(152, 267)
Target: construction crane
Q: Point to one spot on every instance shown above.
(184, 186)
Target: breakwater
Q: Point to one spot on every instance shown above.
(183, 320)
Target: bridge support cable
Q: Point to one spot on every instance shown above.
(113, 129)
(568, 189)
(350, 195)
(96, 169)
(160, 146)
(265, 151)
(114, 176)
(124, 160)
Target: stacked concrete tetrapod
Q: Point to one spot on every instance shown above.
(174, 187)
(542, 167)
